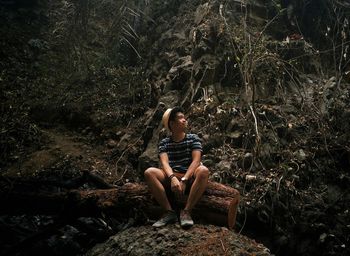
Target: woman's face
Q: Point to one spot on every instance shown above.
(180, 122)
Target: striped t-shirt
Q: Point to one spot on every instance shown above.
(180, 153)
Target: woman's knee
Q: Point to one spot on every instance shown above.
(202, 172)
(151, 172)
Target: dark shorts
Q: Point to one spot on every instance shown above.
(178, 175)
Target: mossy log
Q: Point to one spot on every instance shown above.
(218, 205)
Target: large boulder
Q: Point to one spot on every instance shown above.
(172, 240)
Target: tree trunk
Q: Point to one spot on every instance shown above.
(218, 205)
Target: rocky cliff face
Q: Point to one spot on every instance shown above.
(265, 84)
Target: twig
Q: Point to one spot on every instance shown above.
(223, 247)
(267, 25)
(121, 177)
(278, 184)
(126, 40)
(319, 52)
(116, 164)
(257, 140)
(245, 220)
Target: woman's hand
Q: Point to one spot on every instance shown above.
(183, 187)
(176, 186)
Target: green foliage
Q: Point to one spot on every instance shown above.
(93, 35)
(17, 133)
(262, 70)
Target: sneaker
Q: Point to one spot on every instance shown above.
(185, 219)
(168, 217)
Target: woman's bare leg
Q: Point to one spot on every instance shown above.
(155, 179)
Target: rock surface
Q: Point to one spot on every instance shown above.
(172, 240)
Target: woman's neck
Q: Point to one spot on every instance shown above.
(178, 136)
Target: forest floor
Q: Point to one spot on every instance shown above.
(61, 145)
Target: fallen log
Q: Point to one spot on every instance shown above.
(218, 205)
